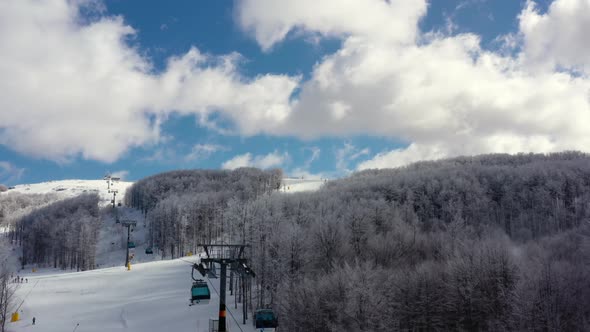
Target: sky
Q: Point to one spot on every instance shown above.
(320, 89)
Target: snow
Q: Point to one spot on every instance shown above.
(292, 185)
(150, 297)
(72, 188)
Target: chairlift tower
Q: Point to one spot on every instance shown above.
(111, 180)
(224, 255)
(128, 223)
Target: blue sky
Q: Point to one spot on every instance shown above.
(115, 86)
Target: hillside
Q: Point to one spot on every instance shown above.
(471, 243)
(152, 297)
(72, 188)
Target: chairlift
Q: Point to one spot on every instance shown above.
(200, 292)
(265, 320)
(149, 251)
(130, 244)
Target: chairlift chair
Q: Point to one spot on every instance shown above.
(130, 244)
(200, 292)
(266, 320)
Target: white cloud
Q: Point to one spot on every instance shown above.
(274, 159)
(405, 156)
(70, 88)
(122, 174)
(9, 173)
(200, 151)
(441, 93)
(558, 38)
(387, 21)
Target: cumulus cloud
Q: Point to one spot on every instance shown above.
(274, 159)
(388, 21)
(73, 86)
(440, 92)
(558, 38)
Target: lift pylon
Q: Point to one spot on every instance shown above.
(224, 255)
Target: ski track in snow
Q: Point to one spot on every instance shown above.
(123, 320)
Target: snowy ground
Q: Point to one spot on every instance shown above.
(71, 188)
(152, 297)
(292, 185)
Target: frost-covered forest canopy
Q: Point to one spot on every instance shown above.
(185, 208)
(16, 205)
(63, 234)
(493, 242)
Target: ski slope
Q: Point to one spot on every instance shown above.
(72, 188)
(293, 185)
(151, 297)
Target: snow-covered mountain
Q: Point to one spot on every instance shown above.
(71, 188)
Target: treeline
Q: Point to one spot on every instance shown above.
(492, 243)
(244, 183)
(527, 195)
(62, 235)
(487, 243)
(184, 208)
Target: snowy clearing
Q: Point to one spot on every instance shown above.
(72, 188)
(152, 297)
(292, 185)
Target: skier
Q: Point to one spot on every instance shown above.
(33, 320)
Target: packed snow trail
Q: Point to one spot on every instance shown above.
(152, 297)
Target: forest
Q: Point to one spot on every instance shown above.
(185, 208)
(62, 234)
(15, 205)
(487, 243)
